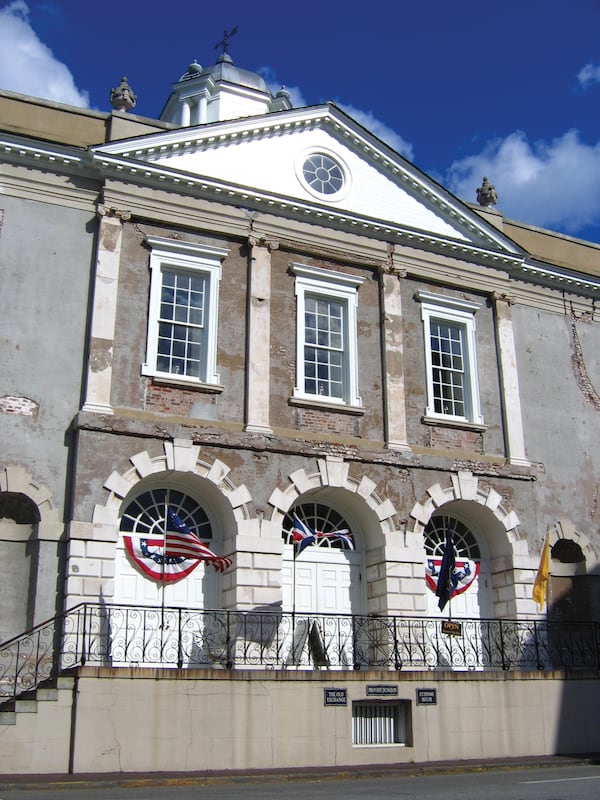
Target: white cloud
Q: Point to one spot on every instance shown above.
(274, 85)
(296, 96)
(28, 66)
(554, 184)
(588, 75)
(364, 118)
(380, 129)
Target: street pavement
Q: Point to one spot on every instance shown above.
(207, 778)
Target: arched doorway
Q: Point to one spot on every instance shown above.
(145, 573)
(167, 597)
(323, 590)
(326, 576)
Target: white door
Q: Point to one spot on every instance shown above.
(322, 581)
(320, 585)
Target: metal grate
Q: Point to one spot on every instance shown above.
(379, 723)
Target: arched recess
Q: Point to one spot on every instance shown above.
(180, 468)
(29, 532)
(573, 575)
(371, 520)
(480, 508)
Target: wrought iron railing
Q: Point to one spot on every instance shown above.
(116, 635)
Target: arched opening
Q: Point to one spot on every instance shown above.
(322, 579)
(325, 575)
(169, 562)
(470, 592)
(479, 539)
(569, 595)
(19, 548)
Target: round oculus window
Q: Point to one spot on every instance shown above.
(324, 175)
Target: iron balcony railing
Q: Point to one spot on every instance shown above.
(119, 635)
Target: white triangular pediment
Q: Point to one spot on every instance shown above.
(265, 156)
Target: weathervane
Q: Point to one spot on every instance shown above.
(224, 43)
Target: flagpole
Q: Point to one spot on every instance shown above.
(162, 588)
(293, 601)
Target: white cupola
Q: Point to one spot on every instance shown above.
(220, 92)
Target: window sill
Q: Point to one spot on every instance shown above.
(209, 388)
(464, 425)
(341, 408)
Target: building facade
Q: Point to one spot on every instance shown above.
(243, 320)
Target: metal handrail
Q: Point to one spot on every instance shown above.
(128, 635)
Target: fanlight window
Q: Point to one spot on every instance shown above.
(465, 544)
(320, 518)
(148, 514)
(159, 529)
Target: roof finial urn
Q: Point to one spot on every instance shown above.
(486, 194)
(122, 98)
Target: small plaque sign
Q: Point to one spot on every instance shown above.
(427, 697)
(451, 628)
(336, 697)
(382, 690)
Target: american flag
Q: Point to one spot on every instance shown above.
(182, 543)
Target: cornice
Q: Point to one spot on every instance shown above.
(58, 156)
(247, 197)
(277, 216)
(555, 277)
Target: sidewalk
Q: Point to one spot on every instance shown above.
(140, 779)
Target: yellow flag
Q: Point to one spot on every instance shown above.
(540, 587)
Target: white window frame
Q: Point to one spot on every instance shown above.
(460, 313)
(342, 288)
(184, 257)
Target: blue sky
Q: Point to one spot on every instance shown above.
(510, 90)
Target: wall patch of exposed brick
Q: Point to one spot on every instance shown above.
(442, 438)
(580, 370)
(323, 421)
(23, 406)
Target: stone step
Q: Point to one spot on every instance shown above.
(47, 694)
(25, 706)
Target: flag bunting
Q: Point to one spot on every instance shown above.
(303, 536)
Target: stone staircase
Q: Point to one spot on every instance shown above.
(27, 703)
(35, 728)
